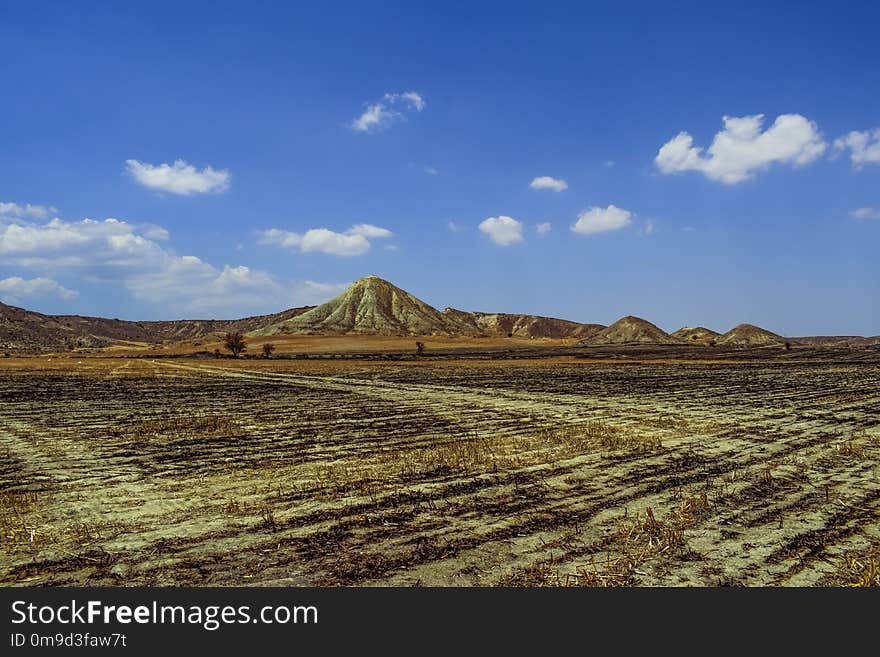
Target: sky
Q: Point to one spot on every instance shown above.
(688, 163)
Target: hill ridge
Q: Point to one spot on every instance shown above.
(372, 305)
(631, 329)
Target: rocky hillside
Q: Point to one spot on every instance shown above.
(629, 330)
(25, 330)
(748, 335)
(523, 326)
(696, 335)
(372, 305)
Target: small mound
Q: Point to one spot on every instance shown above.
(748, 335)
(629, 330)
(696, 335)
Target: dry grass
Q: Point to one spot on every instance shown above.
(18, 524)
(478, 454)
(858, 569)
(861, 445)
(181, 427)
(633, 542)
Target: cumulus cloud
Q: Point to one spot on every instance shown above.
(16, 289)
(741, 148)
(601, 220)
(16, 211)
(863, 147)
(114, 251)
(189, 284)
(369, 231)
(548, 182)
(323, 240)
(502, 230)
(155, 232)
(543, 229)
(390, 108)
(454, 227)
(179, 178)
(101, 248)
(313, 293)
(865, 213)
(355, 241)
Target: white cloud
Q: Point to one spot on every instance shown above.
(864, 147)
(16, 289)
(865, 213)
(154, 232)
(741, 148)
(543, 229)
(355, 241)
(608, 163)
(312, 293)
(454, 227)
(548, 182)
(647, 228)
(370, 231)
(323, 240)
(431, 171)
(391, 108)
(391, 247)
(374, 117)
(411, 98)
(502, 230)
(16, 211)
(600, 220)
(179, 178)
(60, 238)
(189, 284)
(114, 251)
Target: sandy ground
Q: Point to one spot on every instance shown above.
(480, 471)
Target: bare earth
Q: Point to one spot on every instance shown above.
(623, 468)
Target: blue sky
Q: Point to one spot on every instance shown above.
(318, 145)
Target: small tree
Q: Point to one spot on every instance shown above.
(420, 348)
(268, 348)
(235, 343)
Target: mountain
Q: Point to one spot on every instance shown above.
(25, 330)
(748, 335)
(696, 335)
(523, 326)
(372, 305)
(186, 329)
(631, 330)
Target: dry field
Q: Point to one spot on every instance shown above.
(754, 468)
(333, 344)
